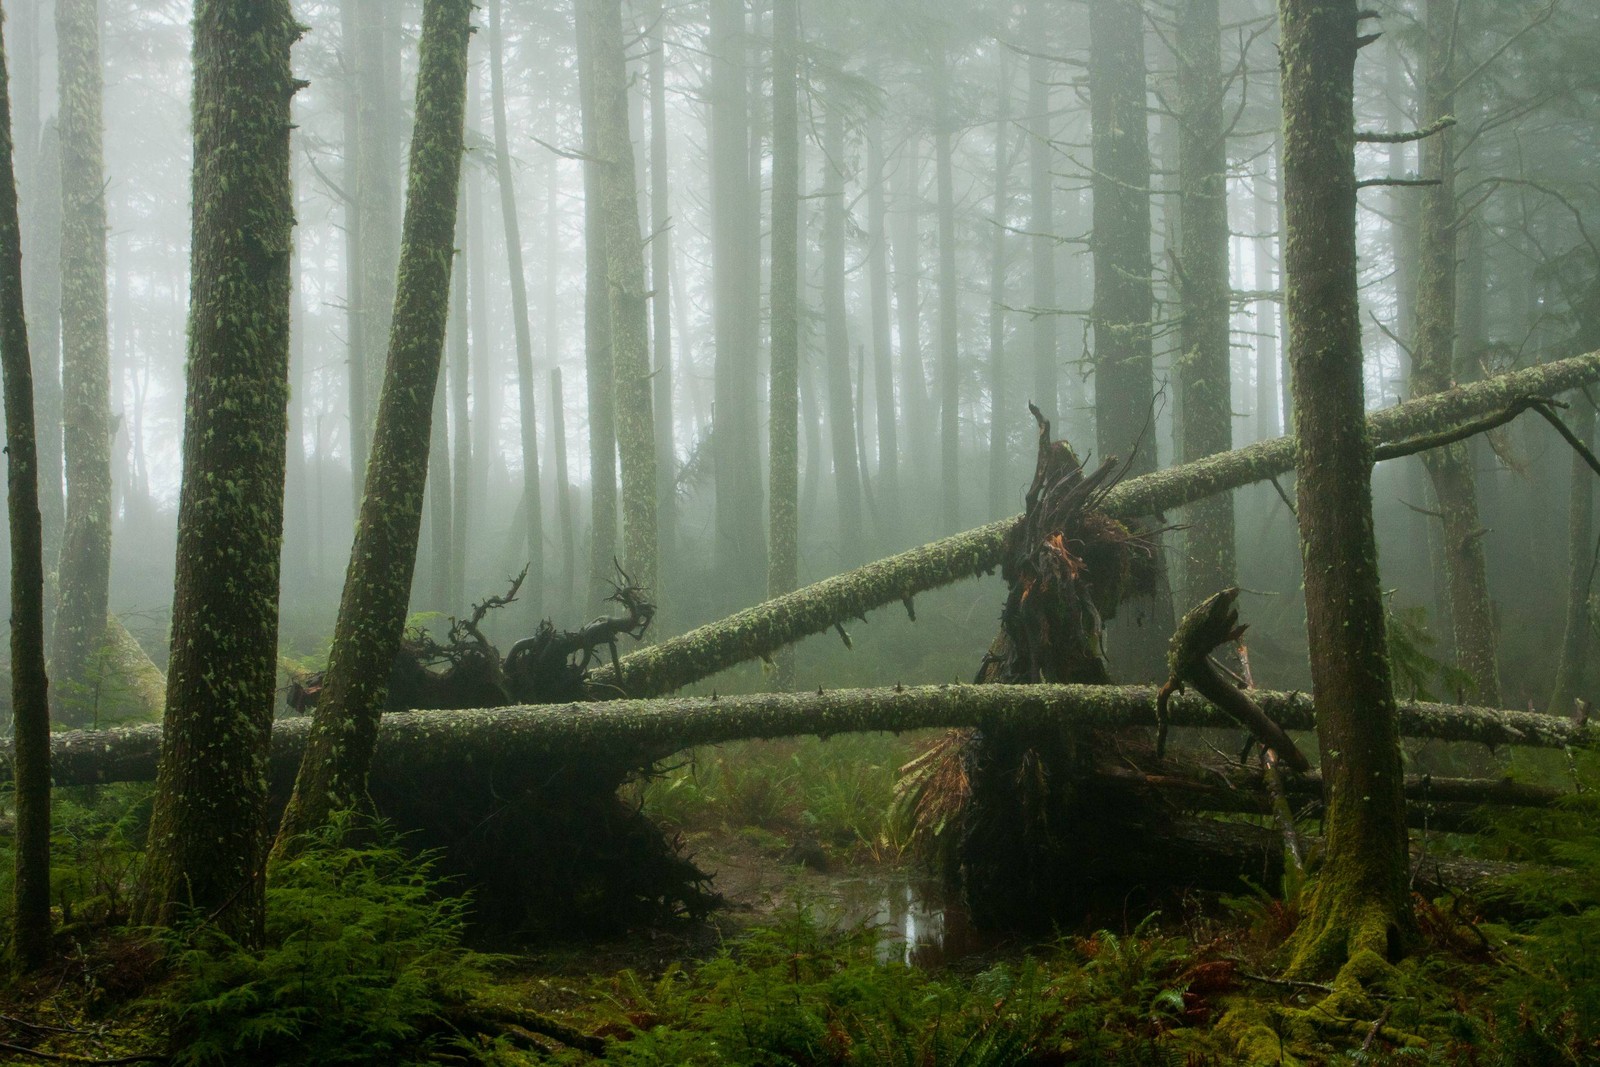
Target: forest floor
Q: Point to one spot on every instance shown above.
(833, 946)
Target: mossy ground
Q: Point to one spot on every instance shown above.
(790, 974)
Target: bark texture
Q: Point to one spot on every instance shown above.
(85, 572)
(783, 501)
(206, 839)
(1204, 379)
(30, 705)
(646, 729)
(625, 286)
(372, 610)
(1360, 904)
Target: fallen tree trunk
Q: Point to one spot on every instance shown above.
(508, 743)
(761, 630)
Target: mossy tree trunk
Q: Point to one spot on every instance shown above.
(1360, 902)
(1434, 366)
(765, 628)
(372, 610)
(30, 705)
(625, 287)
(527, 420)
(783, 502)
(596, 333)
(85, 571)
(1204, 379)
(207, 828)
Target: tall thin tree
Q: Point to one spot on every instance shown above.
(783, 502)
(206, 839)
(372, 610)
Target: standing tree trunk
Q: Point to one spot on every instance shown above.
(1268, 425)
(558, 437)
(1572, 673)
(597, 333)
(736, 455)
(835, 332)
(459, 363)
(372, 610)
(207, 827)
(1041, 204)
(30, 706)
(1204, 381)
(1434, 368)
(999, 398)
(85, 572)
(1360, 904)
(526, 419)
(949, 323)
(906, 233)
(783, 503)
(625, 285)
(888, 486)
(441, 532)
(660, 302)
(43, 307)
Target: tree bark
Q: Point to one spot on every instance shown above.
(1360, 904)
(888, 475)
(1041, 243)
(1204, 377)
(660, 302)
(30, 704)
(372, 611)
(949, 295)
(740, 543)
(1434, 367)
(638, 731)
(597, 334)
(1000, 404)
(763, 629)
(783, 501)
(85, 570)
(207, 828)
(630, 341)
(836, 339)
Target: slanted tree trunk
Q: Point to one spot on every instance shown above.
(85, 571)
(630, 341)
(597, 333)
(1360, 906)
(527, 419)
(372, 610)
(30, 705)
(1204, 378)
(1434, 367)
(207, 828)
(761, 630)
(783, 502)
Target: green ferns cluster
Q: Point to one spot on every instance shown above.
(362, 959)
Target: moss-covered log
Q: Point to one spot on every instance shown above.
(763, 629)
(517, 739)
